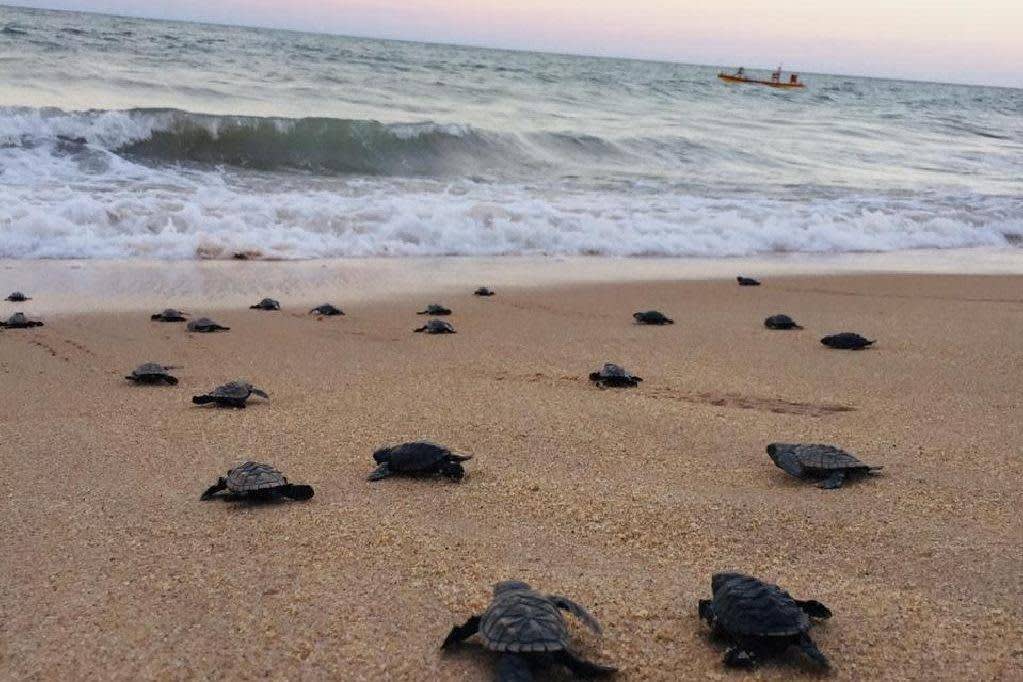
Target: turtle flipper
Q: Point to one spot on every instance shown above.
(261, 393)
(380, 473)
(203, 399)
(221, 484)
(566, 604)
(740, 657)
(460, 633)
(421, 329)
(173, 381)
(814, 608)
(812, 652)
(581, 667)
(513, 668)
(297, 492)
(789, 463)
(834, 481)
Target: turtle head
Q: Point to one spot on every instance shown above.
(707, 610)
(776, 450)
(453, 470)
(382, 455)
(510, 586)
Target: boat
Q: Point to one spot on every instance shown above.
(791, 83)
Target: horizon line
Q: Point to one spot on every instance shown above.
(493, 48)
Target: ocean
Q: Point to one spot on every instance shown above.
(126, 138)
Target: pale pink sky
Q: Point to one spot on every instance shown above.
(978, 41)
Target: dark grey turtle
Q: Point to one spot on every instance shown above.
(435, 309)
(846, 341)
(781, 322)
(168, 315)
(231, 394)
(747, 282)
(652, 317)
(483, 291)
(825, 463)
(614, 376)
(326, 310)
(526, 627)
(436, 327)
(152, 373)
(760, 619)
(420, 458)
(20, 321)
(257, 482)
(18, 297)
(205, 325)
(266, 304)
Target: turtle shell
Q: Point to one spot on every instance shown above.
(252, 476)
(416, 456)
(745, 606)
(780, 322)
(150, 369)
(21, 321)
(815, 457)
(204, 324)
(523, 620)
(438, 327)
(232, 389)
(17, 297)
(267, 304)
(613, 371)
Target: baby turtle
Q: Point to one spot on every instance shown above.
(419, 458)
(760, 619)
(326, 310)
(231, 394)
(781, 322)
(846, 341)
(526, 627)
(652, 317)
(747, 282)
(614, 376)
(437, 327)
(20, 321)
(257, 482)
(152, 373)
(266, 304)
(825, 463)
(206, 326)
(435, 309)
(168, 315)
(483, 291)
(18, 297)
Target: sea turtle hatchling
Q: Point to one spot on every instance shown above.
(847, 341)
(419, 458)
(266, 304)
(760, 619)
(781, 322)
(152, 373)
(205, 325)
(231, 394)
(652, 317)
(326, 310)
(20, 321)
(436, 327)
(483, 291)
(614, 376)
(168, 315)
(747, 282)
(435, 309)
(825, 463)
(18, 297)
(257, 482)
(526, 627)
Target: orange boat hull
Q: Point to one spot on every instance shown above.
(729, 78)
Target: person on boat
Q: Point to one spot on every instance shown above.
(776, 75)
(741, 73)
(794, 79)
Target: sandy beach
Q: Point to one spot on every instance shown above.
(627, 501)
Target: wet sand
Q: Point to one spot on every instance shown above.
(626, 500)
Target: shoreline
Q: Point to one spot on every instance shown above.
(137, 284)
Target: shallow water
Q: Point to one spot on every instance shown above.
(200, 141)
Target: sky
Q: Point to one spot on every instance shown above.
(965, 41)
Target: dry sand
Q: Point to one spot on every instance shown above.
(626, 501)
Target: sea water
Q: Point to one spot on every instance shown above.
(125, 138)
